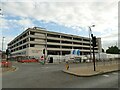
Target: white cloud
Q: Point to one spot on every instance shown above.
(103, 14)
(25, 23)
(22, 23)
(72, 13)
(56, 1)
(6, 26)
(3, 23)
(109, 39)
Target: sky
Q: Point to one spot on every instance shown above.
(65, 16)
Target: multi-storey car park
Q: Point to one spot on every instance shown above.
(32, 41)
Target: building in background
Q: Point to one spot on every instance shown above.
(32, 41)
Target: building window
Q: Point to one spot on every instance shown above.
(66, 42)
(79, 39)
(53, 46)
(24, 40)
(32, 45)
(27, 45)
(88, 44)
(77, 48)
(24, 35)
(66, 37)
(53, 35)
(32, 33)
(67, 47)
(86, 40)
(32, 39)
(78, 43)
(24, 46)
(56, 41)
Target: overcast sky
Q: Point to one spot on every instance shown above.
(68, 16)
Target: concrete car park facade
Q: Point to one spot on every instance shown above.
(32, 41)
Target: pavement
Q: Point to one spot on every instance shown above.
(89, 70)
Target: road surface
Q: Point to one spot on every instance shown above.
(35, 75)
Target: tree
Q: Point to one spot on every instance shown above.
(113, 50)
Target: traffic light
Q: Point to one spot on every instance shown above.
(43, 51)
(8, 52)
(94, 41)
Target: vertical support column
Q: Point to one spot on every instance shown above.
(72, 42)
(82, 47)
(45, 39)
(29, 37)
(94, 44)
(28, 50)
(60, 49)
(94, 58)
(90, 46)
(60, 43)
(45, 55)
(82, 50)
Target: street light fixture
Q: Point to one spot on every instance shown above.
(90, 32)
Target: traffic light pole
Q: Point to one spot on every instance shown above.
(44, 55)
(7, 53)
(44, 58)
(94, 45)
(94, 58)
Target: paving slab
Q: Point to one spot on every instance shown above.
(89, 71)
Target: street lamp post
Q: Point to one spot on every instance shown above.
(2, 45)
(90, 32)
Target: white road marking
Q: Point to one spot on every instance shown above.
(44, 67)
(115, 73)
(105, 75)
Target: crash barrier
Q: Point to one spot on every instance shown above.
(28, 60)
(6, 64)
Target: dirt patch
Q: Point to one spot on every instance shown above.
(5, 69)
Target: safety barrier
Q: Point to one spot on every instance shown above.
(6, 64)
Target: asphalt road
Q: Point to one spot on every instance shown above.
(35, 75)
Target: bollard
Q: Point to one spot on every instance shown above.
(67, 66)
